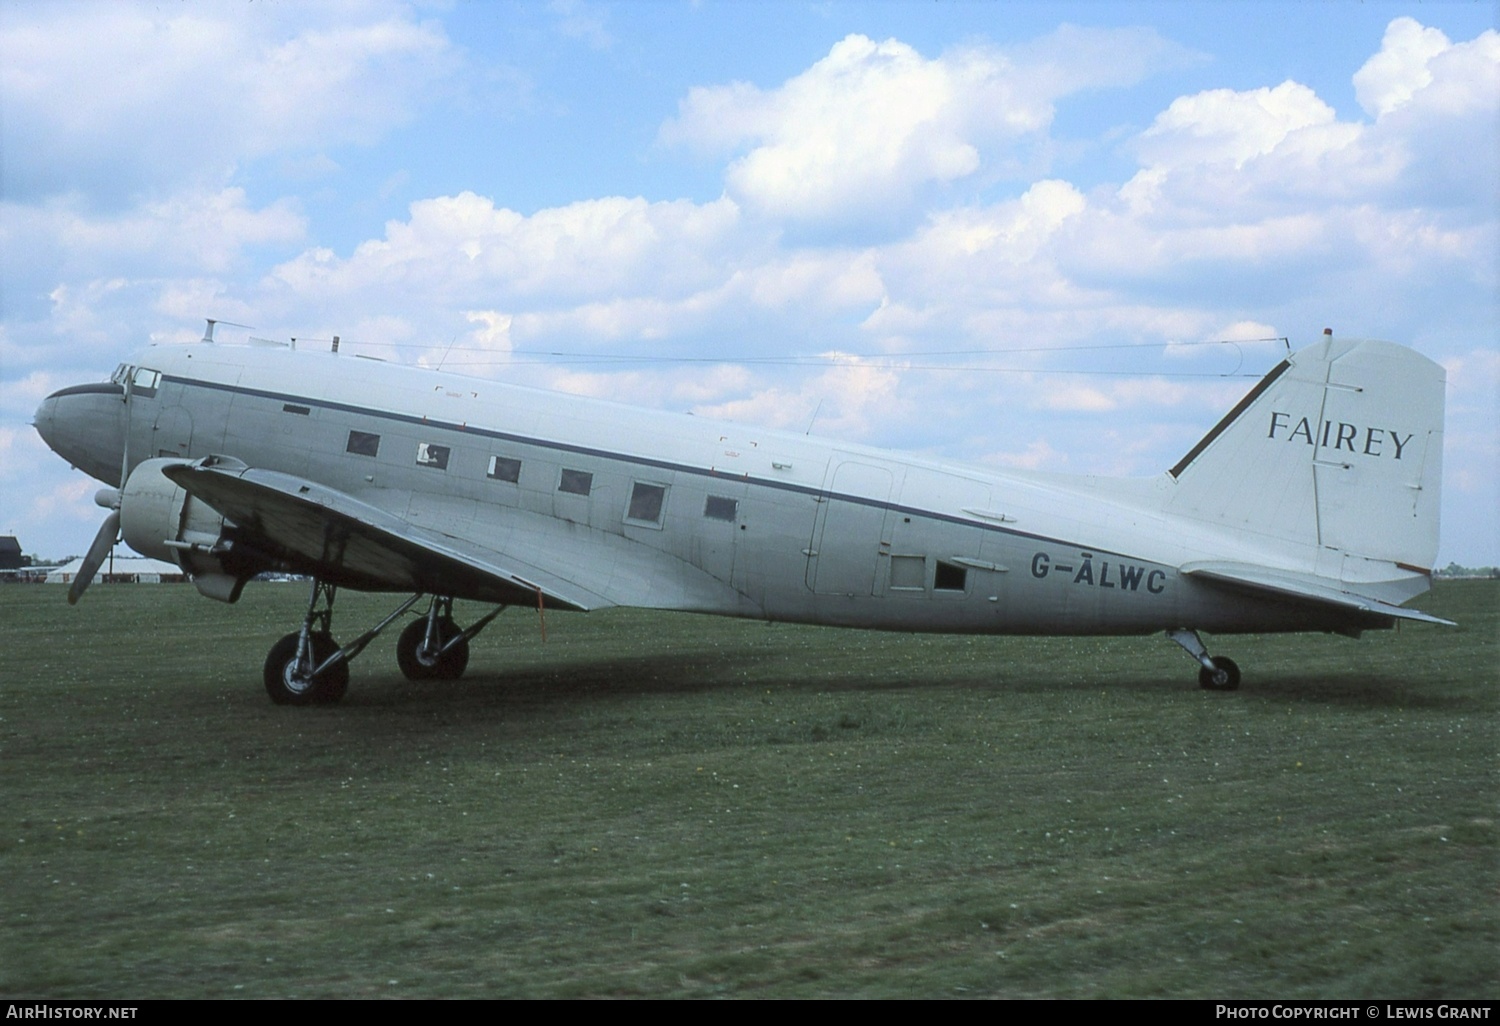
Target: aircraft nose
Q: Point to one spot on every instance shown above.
(85, 425)
(45, 420)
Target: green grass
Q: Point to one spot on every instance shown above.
(673, 805)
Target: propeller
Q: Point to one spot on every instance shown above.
(109, 533)
(109, 498)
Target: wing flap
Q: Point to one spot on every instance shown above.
(344, 539)
(1306, 587)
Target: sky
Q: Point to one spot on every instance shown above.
(1048, 235)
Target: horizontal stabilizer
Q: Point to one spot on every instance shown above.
(1307, 587)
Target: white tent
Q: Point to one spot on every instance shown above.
(122, 569)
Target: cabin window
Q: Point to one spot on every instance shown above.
(646, 501)
(950, 577)
(294, 408)
(908, 572)
(719, 508)
(362, 443)
(503, 468)
(576, 482)
(434, 456)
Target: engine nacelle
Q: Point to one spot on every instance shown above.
(160, 520)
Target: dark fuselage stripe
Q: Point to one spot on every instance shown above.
(642, 461)
(107, 388)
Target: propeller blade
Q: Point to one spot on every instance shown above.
(109, 531)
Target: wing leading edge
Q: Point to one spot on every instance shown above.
(326, 532)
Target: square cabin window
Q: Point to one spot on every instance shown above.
(576, 482)
(949, 577)
(362, 443)
(908, 573)
(503, 468)
(719, 508)
(646, 502)
(434, 456)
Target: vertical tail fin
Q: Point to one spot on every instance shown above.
(1334, 460)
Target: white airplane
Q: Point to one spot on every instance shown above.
(1312, 506)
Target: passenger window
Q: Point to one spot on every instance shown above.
(434, 456)
(646, 501)
(719, 508)
(504, 469)
(362, 443)
(950, 577)
(576, 482)
(909, 572)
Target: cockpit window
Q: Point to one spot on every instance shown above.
(121, 374)
(145, 381)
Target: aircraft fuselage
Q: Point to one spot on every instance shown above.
(680, 512)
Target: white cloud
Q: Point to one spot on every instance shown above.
(840, 402)
(195, 230)
(1038, 455)
(465, 249)
(1226, 126)
(578, 20)
(864, 125)
(867, 130)
(1439, 120)
(687, 278)
(1400, 69)
(208, 85)
(1223, 154)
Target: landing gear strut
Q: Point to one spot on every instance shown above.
(304, 667)
(308, 667)
(1218, 673)
(433, 647)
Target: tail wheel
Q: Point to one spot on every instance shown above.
(418, 663)
(1225, 676)
(289, 682)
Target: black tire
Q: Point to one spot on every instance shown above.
(1227, 677)
(287, 686)
(416, 665)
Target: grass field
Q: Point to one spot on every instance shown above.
(675, 805)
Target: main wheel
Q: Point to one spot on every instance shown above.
(1225, 676)
(417, 663)
(290, 684)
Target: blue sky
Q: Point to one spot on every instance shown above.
(825, 201)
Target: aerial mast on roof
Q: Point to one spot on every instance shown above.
(208, 333)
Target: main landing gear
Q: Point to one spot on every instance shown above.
(307, 667)
(1218, 673)
(434, 647)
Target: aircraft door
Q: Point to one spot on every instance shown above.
(173, 433)
(849, 530)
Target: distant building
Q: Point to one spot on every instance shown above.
(122, 570)
(10, 554)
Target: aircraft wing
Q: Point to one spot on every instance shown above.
(1286, 584)
(348, 541)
